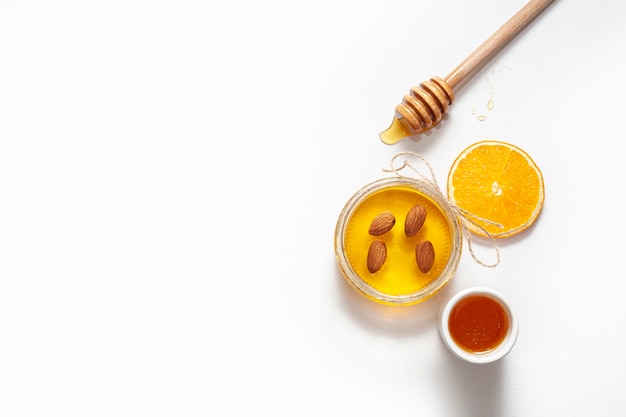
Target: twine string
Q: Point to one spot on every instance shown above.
(466, 217)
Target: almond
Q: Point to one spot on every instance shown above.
(382, 223)
(425, 255)
(376, 256)
(414, 220)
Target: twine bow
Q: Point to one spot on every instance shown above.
(465, 216)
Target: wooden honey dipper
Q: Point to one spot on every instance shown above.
(426, 105)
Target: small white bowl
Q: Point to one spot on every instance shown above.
(479, 357)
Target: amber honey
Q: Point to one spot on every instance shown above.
(478, 323)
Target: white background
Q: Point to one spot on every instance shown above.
(171, 173)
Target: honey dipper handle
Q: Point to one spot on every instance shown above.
(489, 48)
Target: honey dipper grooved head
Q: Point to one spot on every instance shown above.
(425, 106)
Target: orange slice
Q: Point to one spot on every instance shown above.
(498, 182)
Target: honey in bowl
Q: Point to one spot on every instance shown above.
(478, 325)
(402, 264)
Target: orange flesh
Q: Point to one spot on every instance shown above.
(499, 182)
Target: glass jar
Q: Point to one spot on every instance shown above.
(400, 280)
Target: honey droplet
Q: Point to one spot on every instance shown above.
(490, 101)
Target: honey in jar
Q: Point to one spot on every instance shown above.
(399, 280)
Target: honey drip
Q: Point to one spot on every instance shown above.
(420, 110)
